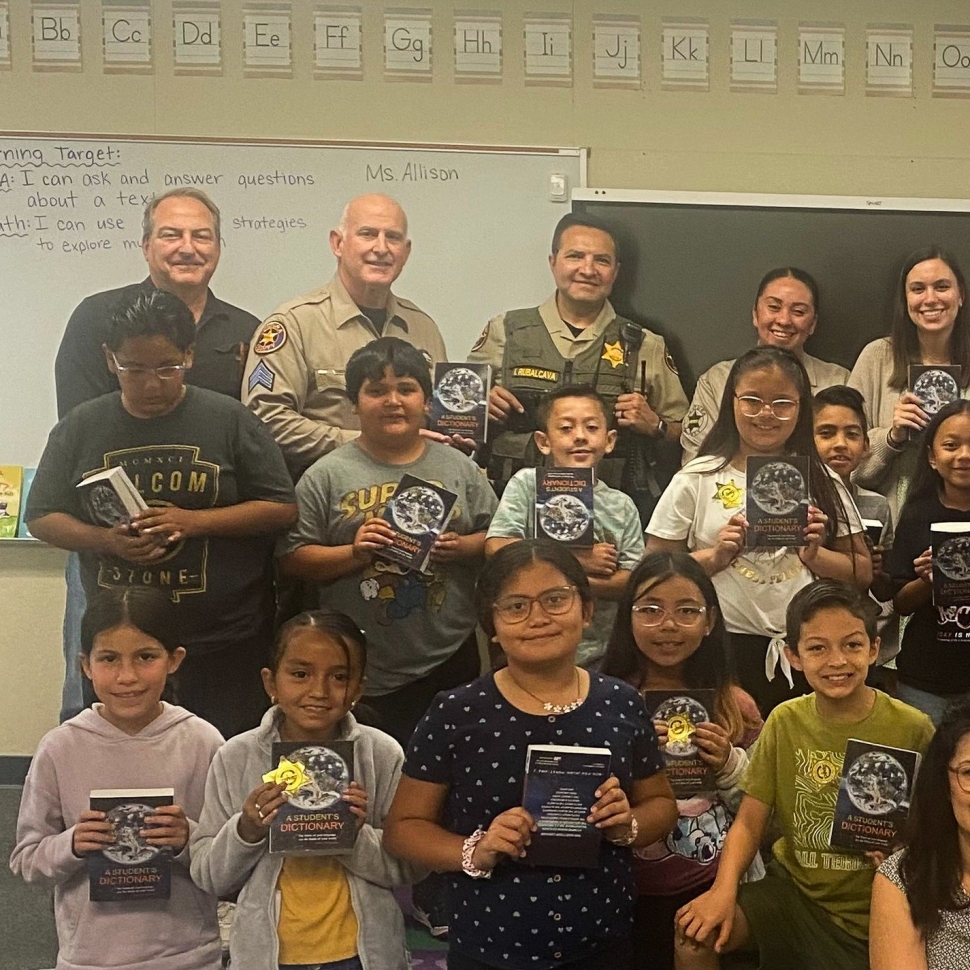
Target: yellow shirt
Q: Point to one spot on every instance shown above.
(317, 919)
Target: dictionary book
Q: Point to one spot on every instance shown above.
(777, 501)
(950, 542)
(559, 791)
(875, 790)
(682, 711)
(418, 513)
(130, 868)
(314, 820)
(936, 385)
(111, 498)
(564, 505)
(460, 402)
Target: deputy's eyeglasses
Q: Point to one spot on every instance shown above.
(554, 602)
(753, 407)
(167, 372)
(649, 614)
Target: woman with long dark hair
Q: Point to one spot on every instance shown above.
(929, 327)
(766, 410)
(920, 915)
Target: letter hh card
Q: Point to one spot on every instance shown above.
(683, 710)
(777, 501)
(315, 820)
(564, 505)
(936, 385)
(460, 403)
(11, 479)
(951, 563)
(130, 868)
(418, 514)
(559, 791)
(875, 791)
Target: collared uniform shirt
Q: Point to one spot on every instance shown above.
(664, 392)
(81, 373)
(710, 389)
(295, 377)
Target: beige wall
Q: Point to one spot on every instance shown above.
(717, 141)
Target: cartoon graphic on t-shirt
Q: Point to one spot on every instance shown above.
(400, 592)
(698, 835)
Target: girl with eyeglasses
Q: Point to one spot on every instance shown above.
(766, 410)
(458, 808)
(920, 914)
(669, 635)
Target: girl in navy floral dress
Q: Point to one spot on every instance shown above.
(458, 807)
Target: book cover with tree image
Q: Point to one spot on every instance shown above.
(777, 501)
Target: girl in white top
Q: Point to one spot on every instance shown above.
(929, 327)
(766, 410)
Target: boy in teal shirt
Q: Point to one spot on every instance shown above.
(811, 911)
(574, 432)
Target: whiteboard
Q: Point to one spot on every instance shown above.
(481, 221)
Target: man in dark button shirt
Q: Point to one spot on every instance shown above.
(180, 241)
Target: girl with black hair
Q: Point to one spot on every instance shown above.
(669, 636)
(920, 915)
(766, 410)
(932, 665)
(459, 805)
(329, 912)
(130, 739)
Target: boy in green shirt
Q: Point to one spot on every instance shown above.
(811, 911)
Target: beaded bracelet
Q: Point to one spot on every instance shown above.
(632, 837)
(468, 850)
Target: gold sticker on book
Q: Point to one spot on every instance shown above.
(679, 728)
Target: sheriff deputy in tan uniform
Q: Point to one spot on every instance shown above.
(294, 376)
(575, 337)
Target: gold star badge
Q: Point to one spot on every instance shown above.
(613, 353)
(293, 774)
(728, 494)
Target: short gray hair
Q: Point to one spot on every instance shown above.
(179, 193)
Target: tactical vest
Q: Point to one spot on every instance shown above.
(532, 366)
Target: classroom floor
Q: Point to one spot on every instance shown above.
(29, 940)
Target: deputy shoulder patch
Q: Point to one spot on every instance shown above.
(669, 361)
(481, 339)
(262, 376)
(695, 419)
(270, 339)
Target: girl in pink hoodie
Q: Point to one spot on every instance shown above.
(132, 739)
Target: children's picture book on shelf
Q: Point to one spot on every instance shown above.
(130, 868)
(559, 791)
(875, 791)
(418, 513)
(777, 501)
(682, 710)
(950, 542)
(110, 497)
(11, 490)
(460, 402)
(564, 505)
(314, 820)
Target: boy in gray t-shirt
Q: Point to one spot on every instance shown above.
(417, 624)
(574, 433)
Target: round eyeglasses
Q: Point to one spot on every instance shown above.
(554, 602)
(753, 407)
(649, 614)
(963, 777)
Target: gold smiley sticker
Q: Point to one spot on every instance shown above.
(729, 494)
(293, 774)
(679, 728)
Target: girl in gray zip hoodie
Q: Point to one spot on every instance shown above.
(316, 677)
